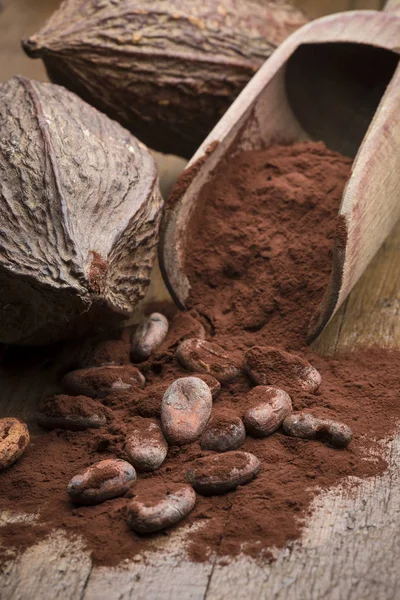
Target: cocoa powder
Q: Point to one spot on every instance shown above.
(265, 227)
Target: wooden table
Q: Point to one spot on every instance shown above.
(351, 547)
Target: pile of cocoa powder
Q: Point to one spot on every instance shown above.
(258, 258)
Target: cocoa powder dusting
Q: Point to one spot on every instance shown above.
(258, 258)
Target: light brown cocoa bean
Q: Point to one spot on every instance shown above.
(185, 410)
(149, 336)
(206, 357)
(221, 473)
(14, 438)
(212, 383)
(224, 432)
(306, 426)
(146, 446)
(75, 413)
(153, 512)
(267, 365)
(269, 407)
(99, 382)
(102, 481)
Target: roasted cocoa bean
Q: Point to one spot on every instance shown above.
(206, 357)
(102, 481)
(224, 432)
(75, 413)
(221, 473)
(185, 410)
(146, 447)
(269, 408)
(149, 336)
(306, 426)
(267, 365)
(212, 383)
(149, 512)
(14, 438)
(99, 382)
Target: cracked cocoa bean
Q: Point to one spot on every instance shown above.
(102, 481)
(99, 382)
(206, 357)
(148, 337)
(270, 407)
(146, 447)
(306, 426)
(222, 473)
(14, 439)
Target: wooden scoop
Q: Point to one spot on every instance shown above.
(336, 79)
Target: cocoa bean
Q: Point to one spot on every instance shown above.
(108, 353)
(224, 432)
(99, 382)
(14, 438)
(267, 365)
(183, 327)
(102, 481)
(273, 405)
(206, 357)
(149, 336)
(80, 209)
(221, 473)
(75, 413)
(167, 70)
(148, 513)
(212, 383)
(185, 410)
(306, 426)
(146, 447)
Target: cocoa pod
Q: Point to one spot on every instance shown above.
(166, 70)
(99, 382)
(75, 413)
(306, 426)
(206, 357)
(222, 473)
(146, 447)
(270, 407)
(153, 512)
(102, 481)
(149, 336)
(80, 210)
(185, 410)
(224, 432)
(267, 365)
(14, 438)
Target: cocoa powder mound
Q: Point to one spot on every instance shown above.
(259, 253)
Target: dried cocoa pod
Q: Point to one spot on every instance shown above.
(75, 413)
(80, 209)
(149, 336)
(99, 382)
(153, 512)
(166, 70)
(146, 446)
(206, 357)
(222, 473)
(270, 407)
(306, 426)
(102, 481)
(14, 438)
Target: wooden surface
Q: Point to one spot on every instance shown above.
(351, 547)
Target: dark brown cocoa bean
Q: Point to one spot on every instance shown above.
(153, 512)
(14, 439)
(206, 357)
(267, 365)
(221, 473)
(75, 413)
(270, 406)
(102, 481)
(212, 383)
(148, 336)
(224, 432)
(78, 256)
(306, 426)
(99, 382)
(108, 353)
(183, 327)
(185, 410)
(146, 447)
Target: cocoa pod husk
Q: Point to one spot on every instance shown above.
(79, 210)
(166, 70)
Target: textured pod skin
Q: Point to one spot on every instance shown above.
(306, 426)
(102, 481)
(99, 382)
(222, 473)
(148, 515)
(79, 212)
(271, 407)
(207, 358)
(185, 410)
(166, 70)
(146, 447)
(14, 438)
(149, 336)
